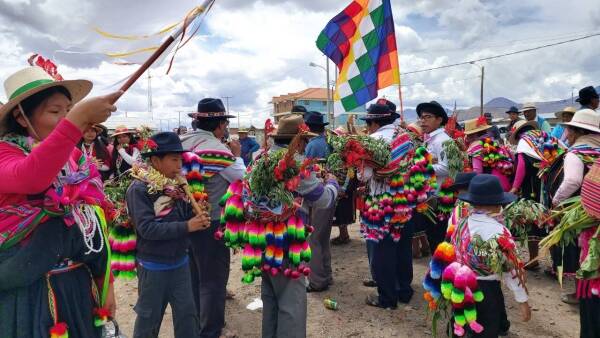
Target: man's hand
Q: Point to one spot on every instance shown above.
(236, 148)
(199, 222)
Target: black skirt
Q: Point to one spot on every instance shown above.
(345, 211)
(23, 284)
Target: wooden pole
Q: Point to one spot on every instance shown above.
(163, 47)
(481, 92)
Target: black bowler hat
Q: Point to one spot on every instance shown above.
(587, 93)
(382, 109)
(299, 109)
(165, 143)
(210, 108)
(314, 118)
(462, 180)
(512, 109)
(485, 189)
(434, 108)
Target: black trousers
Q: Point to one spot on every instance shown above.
(156, 289)
(491, 312)
(589, 317)
(393, 268)
(436, 231)
(210, 277)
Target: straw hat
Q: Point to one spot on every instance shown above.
(122, 129)
(290, 126)
(568, 110)
(587, 119)
(527, 107)
(518, 126)
(32, 80)
(474, 126)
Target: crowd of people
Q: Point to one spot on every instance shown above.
(440, 190)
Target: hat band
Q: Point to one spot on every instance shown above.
(379, 115)
(211, 114)
(29, 86)
(487, 198)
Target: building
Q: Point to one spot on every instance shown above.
(314, 99)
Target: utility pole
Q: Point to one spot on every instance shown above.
(179, 116)
(227, 108)
(481, 91)
(481, 95)
(572, 95)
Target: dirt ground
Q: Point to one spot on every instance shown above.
(550, 317)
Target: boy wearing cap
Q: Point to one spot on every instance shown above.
(484, 224)
(163, 218)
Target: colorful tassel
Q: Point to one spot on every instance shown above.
(59, 330)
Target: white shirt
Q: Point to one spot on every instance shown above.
(376, 187)
(487, 227)
(434, 143)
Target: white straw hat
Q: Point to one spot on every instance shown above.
(587, 119)
(32, 80)
(567, 110)
(527, 107)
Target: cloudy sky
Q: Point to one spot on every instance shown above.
(254, 50)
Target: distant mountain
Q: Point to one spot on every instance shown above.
(499, 105)
(500, 102)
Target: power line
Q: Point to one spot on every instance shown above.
(502, 55)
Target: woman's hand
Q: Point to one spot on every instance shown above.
(93, 110)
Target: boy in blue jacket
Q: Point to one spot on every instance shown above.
(163, 217)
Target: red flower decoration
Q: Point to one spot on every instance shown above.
(303, 128)
(506, 242)
(481, 121)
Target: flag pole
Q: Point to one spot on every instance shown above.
(163, 47)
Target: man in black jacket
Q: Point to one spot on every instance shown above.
(163, 217)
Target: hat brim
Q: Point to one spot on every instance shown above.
(196, 116)
(522, 110)
(513, 137)
(317, 123)
(133, 132)
(582, 126)
(154, 153)
(477, 130)
(307, 134)
(375, 118)
(506, 198)
(512, 111)
(77, 88)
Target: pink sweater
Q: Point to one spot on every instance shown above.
(29, 175)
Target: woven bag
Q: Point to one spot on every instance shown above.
(590, 191)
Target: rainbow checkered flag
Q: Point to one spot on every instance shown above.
(362, 43)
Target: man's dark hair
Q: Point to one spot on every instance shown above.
(318, 129)
(383, 122)
(209, 124)
(29, 105)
